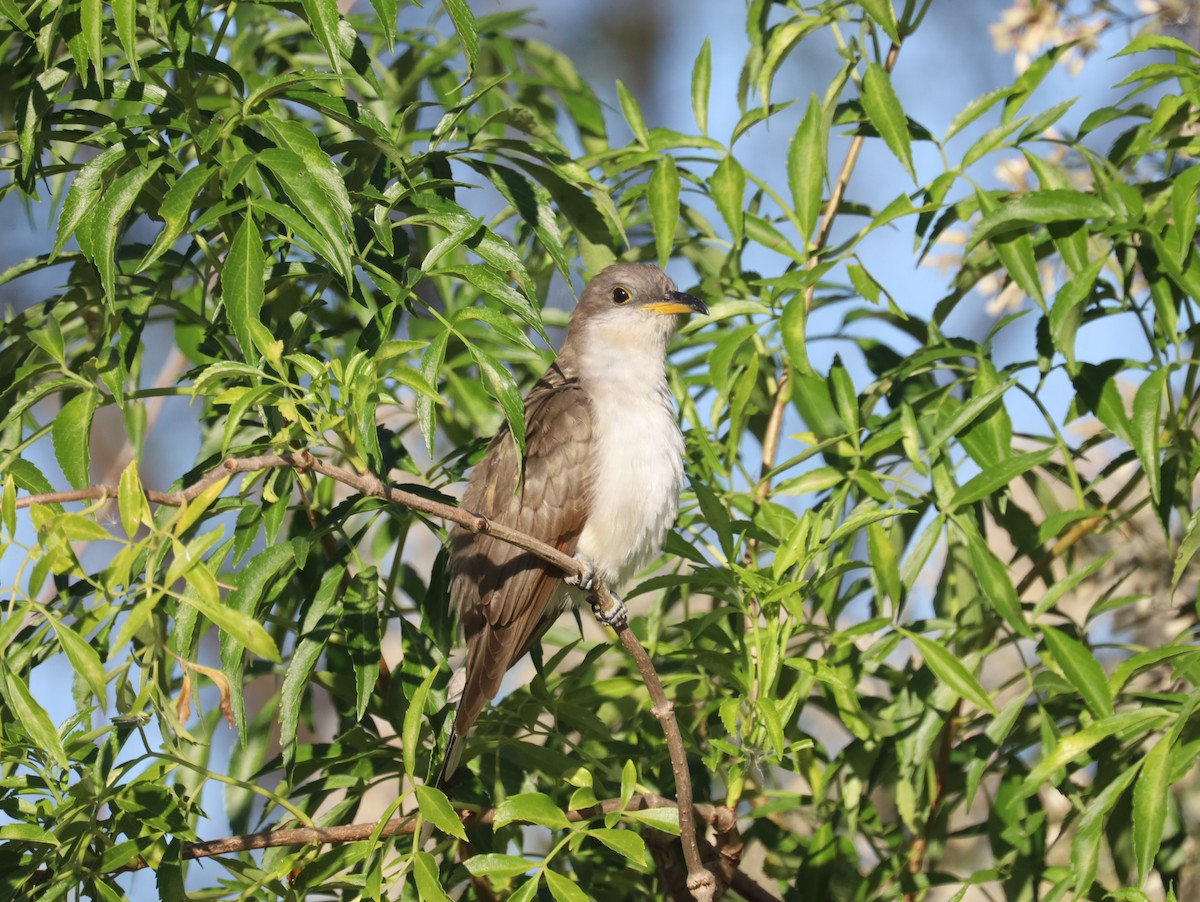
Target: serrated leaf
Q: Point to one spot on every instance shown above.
(664, 819)
(633, 115)
(996, 583)
(1151, 800)
(806, 167)
(563, 889)
(728, 187)
(84, 659)
(1146, 429)
(494, 864)
(308, 195)
(701, 85)
(882, 107)
(105, 223)
(663, 198)
(131, 500)
(530, 808)
(239, 627)
(1039, 208)
(32, 717)
(467, 29)
(28, 833)
(242, 284)
(85, 190)
(950, 670)
(124, 14)
(1000, 474)
(623, 842)
(71, 436)
(410, 734)
(884, 563)
(1081, 669)
(436, 809)
(91, 22)
(883, 15)
(425, 874)
(313, 636)
(500, 385)
(323, 16)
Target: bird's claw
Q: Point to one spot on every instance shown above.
(585, 580)
(616, 617)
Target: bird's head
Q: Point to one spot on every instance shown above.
(632, 304)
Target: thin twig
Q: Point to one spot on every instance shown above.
(700, 879)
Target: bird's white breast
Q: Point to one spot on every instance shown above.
(638, 472)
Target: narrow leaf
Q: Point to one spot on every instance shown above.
(1151, 800)
(806, 167)
(242, 284)
(882, 107)
(950, 670)
(633, 115)
(467, 29)
(71, 434)
(664, 207)
(701, 85)
(32, 717)
(1145, 427)
(1081, 669)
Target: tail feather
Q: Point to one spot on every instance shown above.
(454, 750)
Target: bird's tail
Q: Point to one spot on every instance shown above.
(454, 750)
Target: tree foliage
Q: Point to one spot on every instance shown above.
(903, 616)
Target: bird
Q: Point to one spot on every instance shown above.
(602, 473)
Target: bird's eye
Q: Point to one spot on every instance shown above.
(620, 295)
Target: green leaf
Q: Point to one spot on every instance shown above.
(1069, 748)
(131, 500)
(410, 735)
(1039, 208)
(664, 819)
(500, 385)
(806, 167)
(313, 635)
(883, 15)
(1067, 312)
(84, 659)
(105, 223)
(436, 809)
(996, 583)
(623, 842)
(1151, 801)
(1081, 669)
(85, 191)
(966, 414)
(494, 864)
(1145, 426)
(563, 889)
(728, 187)
(882, 107)
(238, 626)
(1187, 550)
(8, 506)
(467, 29)
(32, 717)
(663, 197)
(701, 85)
(242, 284)
(985, 484)
(125, 18)
(530, 808)
(884, 563)
(323, 17)
(633, 115)
(71, 434)
(793, 324)
(308, 195)
(91, 21)
(28, 833)
(425, 874)
(950, 670)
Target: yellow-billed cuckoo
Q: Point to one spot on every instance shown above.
(603, 468)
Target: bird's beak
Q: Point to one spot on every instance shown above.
(678, 302)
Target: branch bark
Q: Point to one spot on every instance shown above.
(700, 880)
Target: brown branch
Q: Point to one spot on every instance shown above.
(721, 818)
(700, 879)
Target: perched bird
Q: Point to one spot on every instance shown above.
(603, 469)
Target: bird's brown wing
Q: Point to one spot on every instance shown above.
(501, 591)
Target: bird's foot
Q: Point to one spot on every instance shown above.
(616, 617)
(585, 580)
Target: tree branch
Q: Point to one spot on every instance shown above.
(701, 881)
